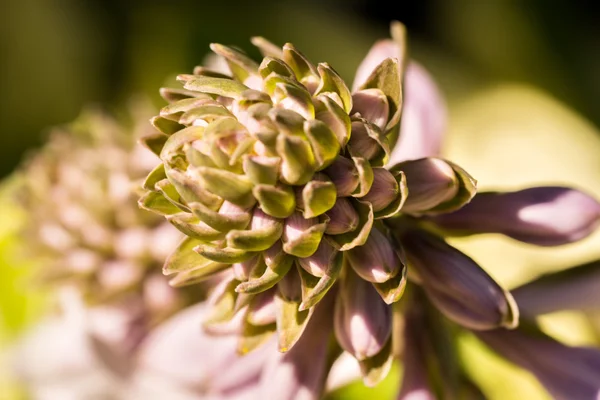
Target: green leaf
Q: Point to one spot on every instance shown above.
(318, 197)
(154, 142)
(165, 125)
(156, 175)
(324, 143)
(334, 116)
(197, 275)
(206, 112)
(262, 170)
(228, 185)
(387, 78)
(191, 226)
(219, 86)
(172, 148)
(223, 255)
(241, 65)
(392, 290)
(313, 288)
(290, 321)
(267, 48)
(276, 201)
(184, 257)
(172, 95)
(220, 222)
(271, 65)
(269, 277)
(257, 239)
(170, 193)
(298, 161)
(307, 242)
(157, 203)
(331, 81)
(191, 191)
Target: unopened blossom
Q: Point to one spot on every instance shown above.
(571, 289)
(285, 184)
(83, 226)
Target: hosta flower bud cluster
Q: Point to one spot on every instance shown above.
(278, 173)
(293, 193)
(83, 223)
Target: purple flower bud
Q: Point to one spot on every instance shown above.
(430, 182)
(371, 104)
(384, 190)
(461, 290)
(376, 260)
(566, 372)
(318, 264)
(343, 217)
(361, 143)
(344, 175)
(545, 216)
(575, 288)
(363, 322)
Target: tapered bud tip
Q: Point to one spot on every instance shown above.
(376, 260)
(545, 216)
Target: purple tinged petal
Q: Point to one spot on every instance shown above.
(344, 175)
(383, 191)
(363, 322)
(430, 181)
(567, 373)
(343, 217)
(459, 288)
(318, 264)
(300, 373)
(376, 260)
(545, 216)
(361, 143)
(371, 104)
(381, 50)
(575, 288)
(423, 117)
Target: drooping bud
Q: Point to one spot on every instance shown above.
(463, 291)
(363, 322)
(343, 218)
(376, 260)
(301, 236)
(384, 190)
(545, 216)
(430, 182)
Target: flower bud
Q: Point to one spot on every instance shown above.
(430, 181)
(545, 216)
(343, 217)
(363, 322)
(463, 291)
(376, 260)
(384, 189)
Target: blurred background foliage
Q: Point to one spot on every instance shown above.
(520, 77)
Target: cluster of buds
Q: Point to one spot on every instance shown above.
(84, 228)
(310, 201)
